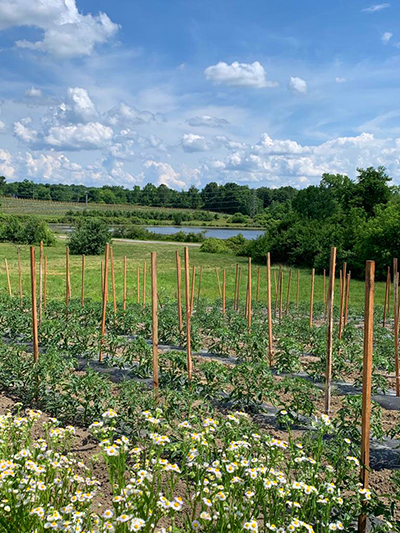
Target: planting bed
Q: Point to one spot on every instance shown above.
(241, 447)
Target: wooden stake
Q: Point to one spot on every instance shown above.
(113, 283)
(249, 310)
(102, 278)
(188, 336)
(178, 275)
(8, 278)
(40, 282)
(138, 284)
(67, 289)
(124, 285)
(367, 381)
(288, 292)
(329, 337)
(387, 292)
(323, 287)
(105, 296)
(83, 282)
(346, 306)
(312, 297)
(342, 291)
(297, 289)
(223, 291)
(238, 290)
(21, 295)
(276, 286)
(236, 283)
(258, 284)
(155, 319)
(396, 322)
(269, 303)
(35, 336)
(45, 283)
(198, 290)
(277, 283)
(219, 284)
(192, 289)
(144, 285)
(280, 293)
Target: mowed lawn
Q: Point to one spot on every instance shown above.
(139, 253)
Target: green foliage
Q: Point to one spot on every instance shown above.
(31, 231)
(89, 238)
(214, 246)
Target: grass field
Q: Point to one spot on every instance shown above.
(137, 253)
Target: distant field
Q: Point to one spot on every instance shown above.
(18, 206)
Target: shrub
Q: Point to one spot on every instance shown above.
(31, 231)
(90, 237)
(214, 246)
(238, 218)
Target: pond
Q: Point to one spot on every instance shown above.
(218, 233)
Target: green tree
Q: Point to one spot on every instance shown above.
(90, 237)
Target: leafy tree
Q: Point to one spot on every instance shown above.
(90, 237)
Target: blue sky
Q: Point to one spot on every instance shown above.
(186, 92)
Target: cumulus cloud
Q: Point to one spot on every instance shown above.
(163, 174)
(208, 121)
(6, 166)
(33, 92)
(82, 109)
(386, 37)
(239, 75)
(375, 8)
(124, 116)
(297, 85)
(91, 136)
(195, 143)
(66, 32)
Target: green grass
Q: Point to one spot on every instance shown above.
(137, 253)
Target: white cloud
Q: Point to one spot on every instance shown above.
(82, 107)
(375, 8)
(6, 166)
(386, 37)
(297, 85)
(67, 33)
(91, 136)
(338, 79)
(124, 116)
(163, 174)
(33, 92)
(239, 75)
(25, 134)
(195, 143)
(208, 121)
(2, 126)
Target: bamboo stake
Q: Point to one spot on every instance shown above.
(188, 336)
(331, 294)
(144, 285)
(396, 322)
(249, 310)
(192, 289)
(367, 381)
(342, 301)
(178, 274)
(312, 297)
(45, 283)
(138, 284)
(269, 303)
(297, 289)
(387, 290)
(83, 282)
(34, 309)
(40, 282)
(155, 319)
(288, 292)
(124, 285)
(105, 296)
(198, 290)
(219, 283)
(223, 291)
(113, 283)
(21, 295)
(8, 278)
(67, 290)
(258, 284)
(280, 294)
(346, 307)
